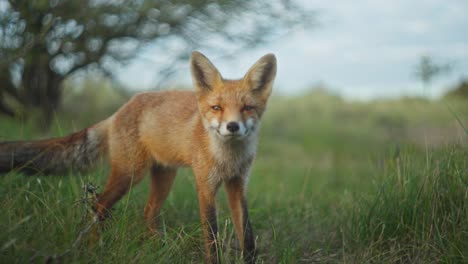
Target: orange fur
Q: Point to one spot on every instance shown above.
(213, 130)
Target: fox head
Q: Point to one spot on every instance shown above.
(231, 109)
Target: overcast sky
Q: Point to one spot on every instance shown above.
(361, 49)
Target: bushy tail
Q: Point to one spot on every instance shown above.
(78, 151)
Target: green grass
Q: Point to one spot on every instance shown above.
(334, 182)
(419, 212)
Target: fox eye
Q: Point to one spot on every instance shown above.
(216, 107)
(248, 108)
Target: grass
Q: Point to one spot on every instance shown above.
(419, 213)
(334, 182)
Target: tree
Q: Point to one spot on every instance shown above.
(426, 70)
(42, 42)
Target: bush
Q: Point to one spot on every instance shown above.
(460, 91)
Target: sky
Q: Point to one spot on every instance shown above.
(359, 49)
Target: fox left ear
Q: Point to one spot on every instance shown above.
(261, 75)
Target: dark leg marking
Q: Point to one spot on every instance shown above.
(249, 241)
(212, 226)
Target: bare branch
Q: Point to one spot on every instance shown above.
(53, 40)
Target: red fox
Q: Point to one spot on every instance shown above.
(213, 130)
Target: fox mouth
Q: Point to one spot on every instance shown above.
(229, 131)
(233, 136)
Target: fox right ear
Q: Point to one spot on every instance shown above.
(205, 76)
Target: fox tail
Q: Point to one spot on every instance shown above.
(78, 151)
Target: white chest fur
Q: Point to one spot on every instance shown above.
(232, 159)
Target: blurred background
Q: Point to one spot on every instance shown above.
(363, 151)
(359, 51)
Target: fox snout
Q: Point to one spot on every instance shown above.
(233, 129)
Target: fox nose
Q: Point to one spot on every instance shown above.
(232, 127)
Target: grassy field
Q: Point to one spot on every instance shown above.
(333, 182)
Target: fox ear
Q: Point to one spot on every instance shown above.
(261, 75)
(204, 74)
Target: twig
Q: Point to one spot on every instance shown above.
(90, 194)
